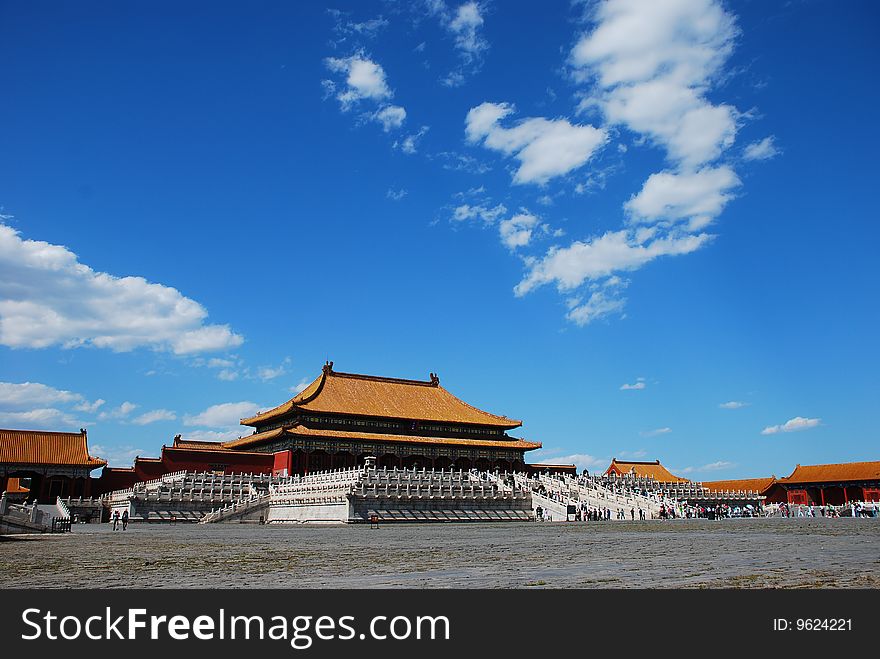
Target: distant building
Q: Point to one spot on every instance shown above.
(547, 468)
(341, 418)
(652, 469)
(768, 488)
(45, 465)
(834, 484)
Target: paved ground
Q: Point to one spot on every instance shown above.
(788, 553)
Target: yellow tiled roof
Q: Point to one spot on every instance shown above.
(759, 485)
(302, 431)
(368, 395)
(847, 471)
(46, 448)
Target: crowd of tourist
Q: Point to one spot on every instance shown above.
(853, 509)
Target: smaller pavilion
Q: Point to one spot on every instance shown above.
(652, 469)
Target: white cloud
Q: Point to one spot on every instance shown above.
(465, 25)
(44, 418)
(34, 393)
(732, 405)
(712, 466)
(460, 162)
(761, 150)
(545, 148)
(91, 408)
(656, 432)
(364, 79)
(517, 231)
(121, 412)
(580, 460)
(266, 373)
(410, 143)
(792, 425)
(300, 386)
(638, 384)
(396, 195)
(223, 415)
(153, 416)
(216, 435)
(653, 63)
(601, 303)
(116, 456)
(487, 214)
(601, 257)
(633, 455)
(390, 116)
(698, 197)
(346, 29)
(49, 298)
(227, 375)
(715, 466)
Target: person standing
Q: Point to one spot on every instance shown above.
(115, 519)
(124, 519)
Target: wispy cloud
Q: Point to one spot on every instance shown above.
(732, 405)
(117, 456)
(410, 143)
(761, 150)
(792, 425)
(580, 460)
(153, 416)
(123, 411)
(364, 81)
(656, 432)
(719, 465)
(638, 384)
(464, 24)
(222, 415)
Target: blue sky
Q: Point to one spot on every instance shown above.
(646, 229)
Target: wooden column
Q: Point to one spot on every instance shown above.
(822, 494)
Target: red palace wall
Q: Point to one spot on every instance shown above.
(229, 462)
(146, 469)
(283, 463)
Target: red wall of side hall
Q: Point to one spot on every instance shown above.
(229, 462)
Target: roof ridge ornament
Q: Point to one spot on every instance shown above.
(435, 379)
(328, 367)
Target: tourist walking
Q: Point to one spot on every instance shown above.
(115, 519)
(124, 519)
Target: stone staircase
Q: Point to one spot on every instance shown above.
(252, 509)
(562, 490)
(187, 496)
(33, 518)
